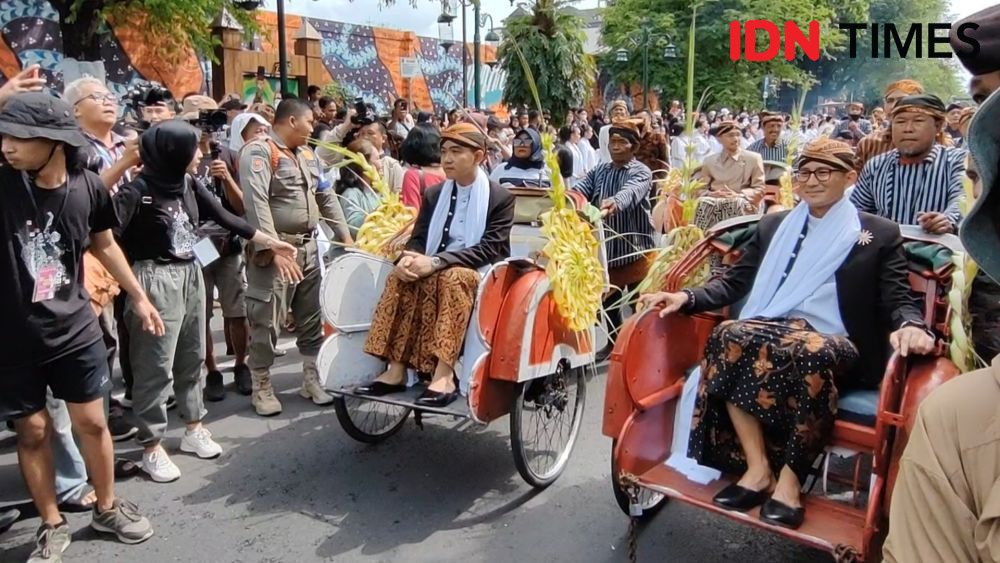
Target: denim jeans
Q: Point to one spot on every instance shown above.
(71, 472)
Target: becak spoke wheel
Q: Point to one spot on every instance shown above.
(545, 422)
(369, 421)
(650, 501)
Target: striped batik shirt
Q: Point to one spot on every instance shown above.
(629, 231)
(777, 153)
(888, 188)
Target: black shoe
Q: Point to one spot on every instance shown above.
(171, 402)
(735, 497)
(436, 399)
(780, 514)
(8, 516)
(214, 389)
(244, 382)
(378, 389)
(120, 428)
(604, 353)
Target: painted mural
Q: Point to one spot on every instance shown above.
(364, 60)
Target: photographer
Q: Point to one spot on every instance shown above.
(159, 213)
(364, 124)
(217, 171)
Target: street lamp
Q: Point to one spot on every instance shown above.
(646, 39)
(446, 31)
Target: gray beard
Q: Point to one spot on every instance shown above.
(910, 154)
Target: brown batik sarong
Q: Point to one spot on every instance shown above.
(783, 373)
(421, 322)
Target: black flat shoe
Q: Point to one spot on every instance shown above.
(8, 516)
(780, 514)
(436, 399)
(214, 389)
(378, 389)
(735, 497)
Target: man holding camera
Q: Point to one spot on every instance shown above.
(284, 194)
(225, 276)
(363, 123)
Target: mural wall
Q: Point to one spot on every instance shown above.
(364, 60)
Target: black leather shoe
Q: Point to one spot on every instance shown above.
(436, 399)
(8, 516)
(378, 389)
(214, 389)
(735, 497)
(780, 514)
(243, 379)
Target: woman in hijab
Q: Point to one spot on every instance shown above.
(526, 168)
(159, 213)
(246, 127)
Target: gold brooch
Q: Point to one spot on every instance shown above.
(865, 237)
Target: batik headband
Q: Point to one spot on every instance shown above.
(834, 153)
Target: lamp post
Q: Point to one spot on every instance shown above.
(446, 32)
(647, 39)
(491, 39)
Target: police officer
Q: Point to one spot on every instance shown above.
(284, 195)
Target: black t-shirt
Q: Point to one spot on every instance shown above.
(164, 228)
(44, 234)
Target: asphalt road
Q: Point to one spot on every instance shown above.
(296, 488)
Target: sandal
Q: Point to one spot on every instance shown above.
(125, 468)
(84, 502)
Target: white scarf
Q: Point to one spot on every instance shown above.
(822, 252)
(475, 221)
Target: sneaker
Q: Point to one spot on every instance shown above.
(159, 467)
(120, 428)
(124, 521)
(199, 442)
(171, 402)
(50, 543)
(8, 517)
(214, 389)
(244, 381)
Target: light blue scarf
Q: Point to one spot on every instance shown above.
(823, 251)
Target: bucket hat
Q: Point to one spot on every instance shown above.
(980, 232)
(36, 115)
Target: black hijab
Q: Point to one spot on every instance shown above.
(535, 161)
(166, 150)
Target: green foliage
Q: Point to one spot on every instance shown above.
(172, 24)
(733, 83)
(738, 83)
(551, 41)
(863, 78)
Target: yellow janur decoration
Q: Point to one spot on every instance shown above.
(960, 350)
(388, 219)
(574, 269)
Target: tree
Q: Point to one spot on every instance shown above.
(174, 24)
(733, 83)
(863, 78)
(551, 42)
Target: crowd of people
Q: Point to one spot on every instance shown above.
(121, 238)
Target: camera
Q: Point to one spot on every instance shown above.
(210, 120)
(143, 94)
(364, 114)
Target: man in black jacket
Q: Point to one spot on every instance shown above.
(463, 226)
(827, 288)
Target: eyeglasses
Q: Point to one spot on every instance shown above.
(521, 142)
(822, 174)
(109, 98)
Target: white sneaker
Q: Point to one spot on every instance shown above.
(199, 442)
(159, 467)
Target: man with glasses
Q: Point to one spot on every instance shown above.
(919, 182)
(96, 109)
(880, 141)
